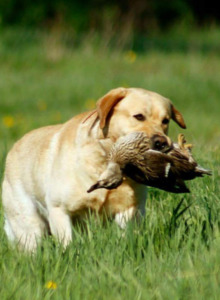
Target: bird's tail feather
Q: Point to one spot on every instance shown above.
(200, 170)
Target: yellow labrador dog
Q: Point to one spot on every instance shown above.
(49, 170)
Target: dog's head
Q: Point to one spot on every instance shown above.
(125, 110)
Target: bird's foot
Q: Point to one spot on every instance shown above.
(182, 142)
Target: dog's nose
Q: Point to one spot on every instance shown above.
(160, 143)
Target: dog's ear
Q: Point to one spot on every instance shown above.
(107, 102)
(177, 117)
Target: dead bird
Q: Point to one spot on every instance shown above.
(150, 162)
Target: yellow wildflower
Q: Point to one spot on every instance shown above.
(8, 121)
(130, 56)
(42, 105)
(57, 116)
(51, 285)
(90, 104)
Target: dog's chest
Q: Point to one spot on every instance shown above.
(88, 163)
(90, 160)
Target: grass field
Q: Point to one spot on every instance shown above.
(175, 253)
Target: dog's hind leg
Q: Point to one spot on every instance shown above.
(23, 224)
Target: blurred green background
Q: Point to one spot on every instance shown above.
(56, 59)
(139, 15)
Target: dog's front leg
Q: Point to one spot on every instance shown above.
(122, 218)
(132, 213)
(60, 225)
(136, 211)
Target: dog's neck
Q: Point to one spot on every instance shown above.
(92, 119)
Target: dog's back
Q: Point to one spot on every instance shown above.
(49, 171)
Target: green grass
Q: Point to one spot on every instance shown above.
(175, 253)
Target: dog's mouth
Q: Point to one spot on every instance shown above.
(161, 144)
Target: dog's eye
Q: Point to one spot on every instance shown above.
(139, 117)
(165, 121)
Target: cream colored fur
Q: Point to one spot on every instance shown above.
(49, 170)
